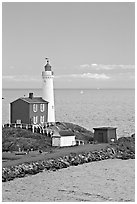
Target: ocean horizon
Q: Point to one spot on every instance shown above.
(71, 88)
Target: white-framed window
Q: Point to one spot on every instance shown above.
(42, 118)
(35, 119)
(35, 107)
(18, 121)
(42, 107)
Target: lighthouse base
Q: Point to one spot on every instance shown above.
(51, 114)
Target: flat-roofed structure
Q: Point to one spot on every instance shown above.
(105, 134)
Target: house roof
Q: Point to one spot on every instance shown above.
(104, 128)
(66, 133)
(32, 100)
(62, 133)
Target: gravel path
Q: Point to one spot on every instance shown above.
(108, 180)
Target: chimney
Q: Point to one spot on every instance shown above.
(31, 95)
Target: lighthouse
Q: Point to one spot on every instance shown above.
(48, 91)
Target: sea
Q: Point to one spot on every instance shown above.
(88, 108)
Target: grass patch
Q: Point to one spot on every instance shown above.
(58, 152)
(15, 138)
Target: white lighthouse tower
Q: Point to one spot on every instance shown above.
(48, 91)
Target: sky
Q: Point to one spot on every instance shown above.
(89, 45)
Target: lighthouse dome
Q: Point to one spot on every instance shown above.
(47, 66)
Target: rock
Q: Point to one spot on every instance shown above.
(122, 151)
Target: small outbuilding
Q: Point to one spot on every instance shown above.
(63, 138)
(105, 134)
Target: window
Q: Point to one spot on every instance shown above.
(42, 119)
(35, 119)
(35, 107)
(42, 107)
(18, 121)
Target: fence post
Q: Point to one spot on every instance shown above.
(33, 128)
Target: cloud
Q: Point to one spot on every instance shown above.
(108, 66)
(124, 76)
(95, 76)
(21, 78)
(62, 76)
(8, 77)
(85, 76)
(114, 66)
(94, 65)
(85, 65)
(105, 67)
(127, 66)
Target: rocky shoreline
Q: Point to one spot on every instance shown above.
(119, 151)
